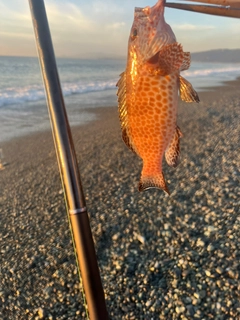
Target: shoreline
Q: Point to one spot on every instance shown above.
(100, 111)
(160, 256)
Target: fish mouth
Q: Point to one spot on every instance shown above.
(146, 12)
(142, 12)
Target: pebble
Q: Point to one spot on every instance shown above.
(160, 257)
(200, 243)
(219, 270)
(115, 236)
(232, 274)
(180, 309)
(208, 273)
(41, 313)
(210, 247)
(140, 238)
(148, 303)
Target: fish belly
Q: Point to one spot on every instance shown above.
(152, 120)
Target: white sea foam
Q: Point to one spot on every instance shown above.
(30, 93)
(85, 84)
(227, 71)
(20, 95)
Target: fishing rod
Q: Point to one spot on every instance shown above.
(224, 8)
(69, 172)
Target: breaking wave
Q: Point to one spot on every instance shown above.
(20, 95)
(199, 74)
(225, 72)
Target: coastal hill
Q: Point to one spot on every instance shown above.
(219, 55)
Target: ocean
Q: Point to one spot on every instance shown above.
(86, 84)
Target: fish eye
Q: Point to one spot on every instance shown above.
(134, 34)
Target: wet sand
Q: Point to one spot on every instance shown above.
(161, 257)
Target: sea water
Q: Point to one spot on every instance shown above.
(86, 84)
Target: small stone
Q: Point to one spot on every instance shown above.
(117, 265)
(229, 303)
(48, 291)
(202, 294)
(211, 228)
(231, 273)
(181, 262)
(191, 310)
(219, 270)
(218, 305)
(195, 301)
(200, 243)
(140, 238)
(185, 273)
(41, 313)
(180, 309)
(124, 309)
(115, 236)
(196, 295)
(188, 300)
(166, 226)
(210, 248)
(208, 273)
(148, 303)
(175, 283)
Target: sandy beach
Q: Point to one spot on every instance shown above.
(161, 257)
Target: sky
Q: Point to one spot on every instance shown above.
(92, 28)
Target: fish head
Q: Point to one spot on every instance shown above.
(149, 32)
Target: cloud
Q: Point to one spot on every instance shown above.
(81, 27)
(76, 29)
(67, 16)
(106, 7)
(116, 25)
(192, 27)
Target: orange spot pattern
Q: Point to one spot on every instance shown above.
(152, 119)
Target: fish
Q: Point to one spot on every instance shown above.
(148, 94)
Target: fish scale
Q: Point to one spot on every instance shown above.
(148, 94)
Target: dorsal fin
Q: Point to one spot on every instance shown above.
(122, 110)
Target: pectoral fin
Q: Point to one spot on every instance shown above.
(186, 61)
(187, 93)
(168, 60)
(172, 154)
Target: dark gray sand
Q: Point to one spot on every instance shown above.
(161, 257)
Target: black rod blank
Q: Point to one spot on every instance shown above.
(68, 167)
(222, 11)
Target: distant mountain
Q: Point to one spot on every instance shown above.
(219, 55)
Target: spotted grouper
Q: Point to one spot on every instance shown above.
(148, 94)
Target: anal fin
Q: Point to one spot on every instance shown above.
(127, 140)
(172, 154)
(187, 93)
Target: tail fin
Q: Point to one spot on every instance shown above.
(156, 181)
